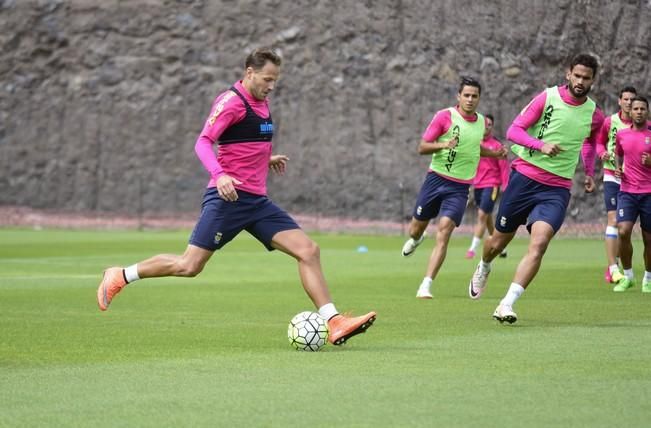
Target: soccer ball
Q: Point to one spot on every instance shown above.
(308, 331)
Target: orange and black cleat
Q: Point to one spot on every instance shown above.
(112, 283)
(343, 328)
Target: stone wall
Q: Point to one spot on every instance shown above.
(101, 101)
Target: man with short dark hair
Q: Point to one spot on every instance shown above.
(491, 179)
(453, 138)
(606, 152)
(548, 135)
(235, 199)
(633, 149)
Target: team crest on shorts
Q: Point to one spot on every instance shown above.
(503, 221)
(419, 210)
(621, 212)
(218, 237)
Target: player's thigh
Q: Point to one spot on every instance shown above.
(428, 202)
(551, 206)
(627, 208)
(488, 197)
(453, 205)
(611, 189)
(219, 222)
(516, 204)
(645, 212)
(269, 221)
(296, 243)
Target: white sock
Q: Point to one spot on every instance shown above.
(514, 293)
(474, 244)
(131, 273)
(613, 268)
(427, 282)
(484, 267)
(647, 276)
(328, 311)
(629, 273)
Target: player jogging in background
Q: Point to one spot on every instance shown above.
(492, 176)
(549, 134)
(633, 147)
(606, 152)
(453, 138)
(235, 200)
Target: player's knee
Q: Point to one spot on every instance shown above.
(538, 248)
(190, 269)
(309, 252)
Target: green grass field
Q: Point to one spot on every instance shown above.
(212, 351)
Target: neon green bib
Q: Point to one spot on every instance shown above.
(615, 125)
(461, 161)
(562, 124)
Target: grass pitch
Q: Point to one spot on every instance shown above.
(212, 351)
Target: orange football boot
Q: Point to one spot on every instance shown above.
(343, 328)
(112, 283)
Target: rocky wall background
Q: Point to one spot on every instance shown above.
(101, 101)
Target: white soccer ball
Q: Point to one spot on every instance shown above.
(308, 331)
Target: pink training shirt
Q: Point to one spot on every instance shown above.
(602, 138)
(517, 133)
(247, 162)
(630, 144)
(491, 172)
(439, 125)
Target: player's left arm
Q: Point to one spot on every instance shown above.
(619, 155)
(278, 163)
(490, 153)
(588, 150)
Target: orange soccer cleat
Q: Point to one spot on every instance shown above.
(343, 328)
(112, 283)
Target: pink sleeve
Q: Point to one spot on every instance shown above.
(589, 145)
(618, 146)
(602, 136)
(517, 132)
(223, 115)
(438, 126)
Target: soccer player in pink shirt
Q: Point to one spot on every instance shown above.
(633, 150)
(548, 135)
(236, 199)
(492, 177)
(605, 151)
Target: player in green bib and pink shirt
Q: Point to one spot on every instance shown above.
(633, 148)
(453, 138)
(548, 135)
(492, 178)
(606, 152)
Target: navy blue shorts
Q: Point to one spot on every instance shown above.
(525, 201)
(440, 196)
(632, 205)
(485, 198)
(221, 221)
(611, 189)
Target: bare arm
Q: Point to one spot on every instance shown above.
(427, 148)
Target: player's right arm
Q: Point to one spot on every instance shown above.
(438, 126)
(528, 117)
(602, 140)
(227, 110)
